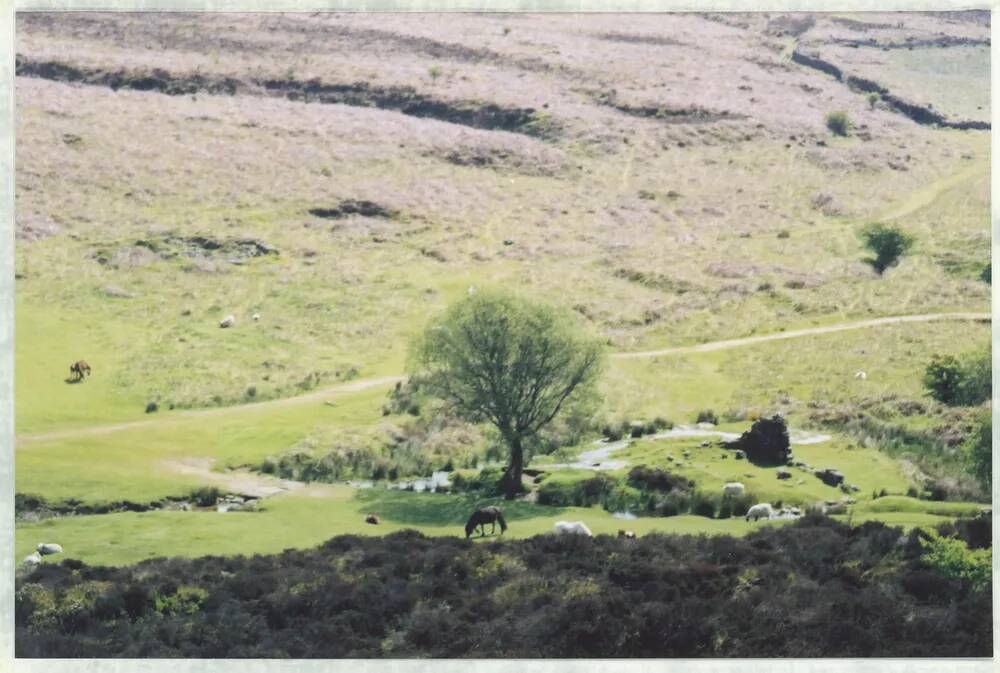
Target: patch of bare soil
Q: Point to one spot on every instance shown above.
(240, 482)
(157, 247)
(34, 227)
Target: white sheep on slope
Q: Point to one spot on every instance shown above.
(761, 510)
(572, 528)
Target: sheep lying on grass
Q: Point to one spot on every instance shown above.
(572, 528)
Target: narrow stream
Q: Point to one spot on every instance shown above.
(599, 458)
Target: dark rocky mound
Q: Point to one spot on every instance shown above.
(766, 442)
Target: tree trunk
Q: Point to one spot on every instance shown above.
(510, 483)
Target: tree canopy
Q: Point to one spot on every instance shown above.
(513, 363)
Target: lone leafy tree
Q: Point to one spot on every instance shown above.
(515, 364)
(889, 243)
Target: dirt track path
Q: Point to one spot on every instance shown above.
(352, 387)
(364, 384)
(808, 331)
(242, 482)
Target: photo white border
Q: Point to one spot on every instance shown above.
(7, 327)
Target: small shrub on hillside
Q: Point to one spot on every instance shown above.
(838, 122)
(483, 481)
(707, 416)
(404, 398)
(615, 431)
(654, 479)
(873, 99)
(703, 504)
(965, 380)
(888, 242)
(953, 559)
(581, 493)
(186, 600)
(978, 450)
(986, 275)
(206, 496)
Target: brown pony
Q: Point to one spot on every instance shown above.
(485, 515)
(78, 369)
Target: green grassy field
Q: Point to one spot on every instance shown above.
(653, 232)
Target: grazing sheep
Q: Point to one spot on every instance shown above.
(627, 534)
(760, 511)
(31, 560)
(861, 375)
(787, 513)
(256, 317)
(373, 518)
(49, 548)
(733, 488)
(228, 321)
(572, 528)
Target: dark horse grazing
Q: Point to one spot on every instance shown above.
(485, 515)
(78, 369)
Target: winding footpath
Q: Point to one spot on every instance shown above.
(366, 384)
(808, 331)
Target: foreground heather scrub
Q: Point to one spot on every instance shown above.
(816, 588)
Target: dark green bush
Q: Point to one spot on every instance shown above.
(837, 122)
(966, 380)
(654, 479)
(205, 496)
(707, 416)
(979, 450)
(888, 242)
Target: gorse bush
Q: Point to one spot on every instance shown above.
(966, 380)
(205, 496)
(707, 416)
(838, 122)
(888, 242)
(978, 450)
(406, 595)
(953, 559)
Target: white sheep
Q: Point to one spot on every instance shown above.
(228, 321)
(761, 510)
(46, 548)
(860, 374)
(733, 488)
(572, 528)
